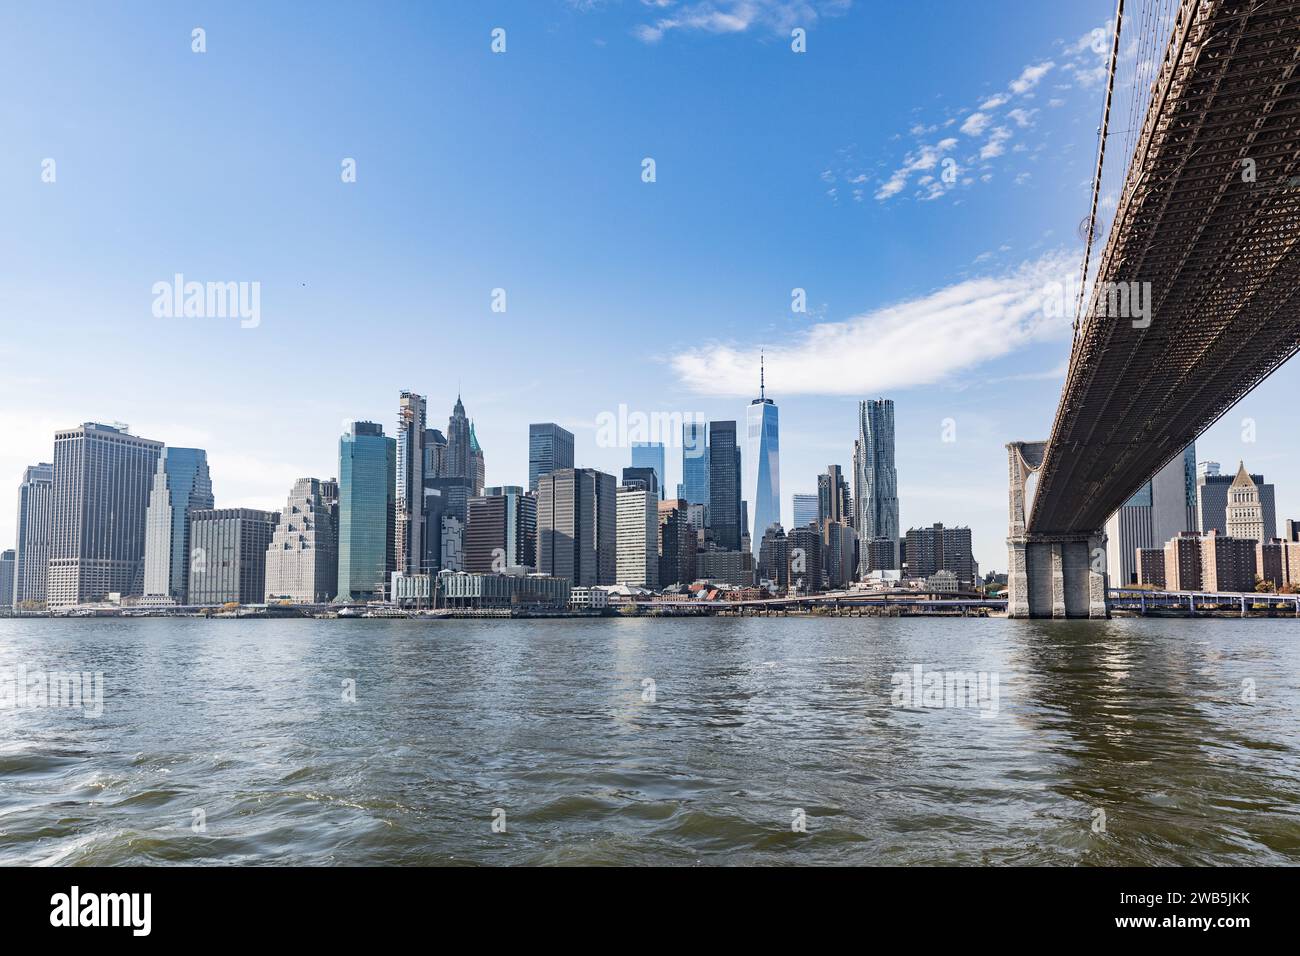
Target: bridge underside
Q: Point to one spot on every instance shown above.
(1210, 218)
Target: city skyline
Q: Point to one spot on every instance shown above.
(931, 301)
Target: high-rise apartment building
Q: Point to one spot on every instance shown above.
(937, 548)
(367, 511)
(35, 519)
(410, 518)
(762, 459)
(875, 485)
(637, 535)
(181, 485)
(302, 558)
(1227, 563)
(724, 485)
(774, 556)
(102, 477)
(650, 454)
(576, 518)
(695, 463)
(805, 550)
(1182, 565)
(550, 448)
(228, 555)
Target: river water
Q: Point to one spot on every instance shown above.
(611, 741)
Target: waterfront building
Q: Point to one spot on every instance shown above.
(1278, 562)
(762, 464)
(882, 554)
(943, 581)
(413, 590)
(677, 543)
(695, 463)
(1151, 567)
(228, 555)
(181, 485)
(501, 532)
(727, 567)
(650, 454)
(1227, 563)
(7, 562)
(1183, 562)
(474, 590)
(1162, 508)
(35, 520)
(805, 548)
(1212, 490)
(550, 448)
(409, 524)
(724, 485)
(637, 537)
(102, 477)
(367, 512)
(576, 518)
(302, 558)
(588, 598)
(939, 548)
(806, 509)
(1245, 511)
(875, 487)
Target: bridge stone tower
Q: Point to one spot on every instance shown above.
(1049, 575)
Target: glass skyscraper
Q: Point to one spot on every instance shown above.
(762, 464)
(650, 454)
(181, 485)
(550, 448)
(724, 485)
(695, 463)
(805, 510)
(367, 511)
(875, 482)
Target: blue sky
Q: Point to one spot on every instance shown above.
(522, 171)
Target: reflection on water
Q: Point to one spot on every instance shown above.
(1137, 742)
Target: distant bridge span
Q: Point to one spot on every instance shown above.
(1208, 227)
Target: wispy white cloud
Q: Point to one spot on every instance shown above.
(735, 16)
(918, 342)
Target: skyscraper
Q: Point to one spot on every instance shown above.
(1212, 500)
(102, 476)
(228, 555)
(576, 515)
(1161, 509)
(7, 560)
(805, 508)
(724, 485)
(833, 499)
(181, 485)
(762, 463)
(35, 515)
(464, 457)
(501, 531)
(695, 463)
(550, 448)
(650, 454)
(875, 481)
(409, 523)
(677, 542)
(302, 559)
(1245, 511)
(367, 509)
(637, 535)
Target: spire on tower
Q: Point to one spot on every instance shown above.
(762, 385)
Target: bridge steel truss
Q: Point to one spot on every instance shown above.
(1210, 217)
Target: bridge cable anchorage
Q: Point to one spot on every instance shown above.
(1101, 159)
